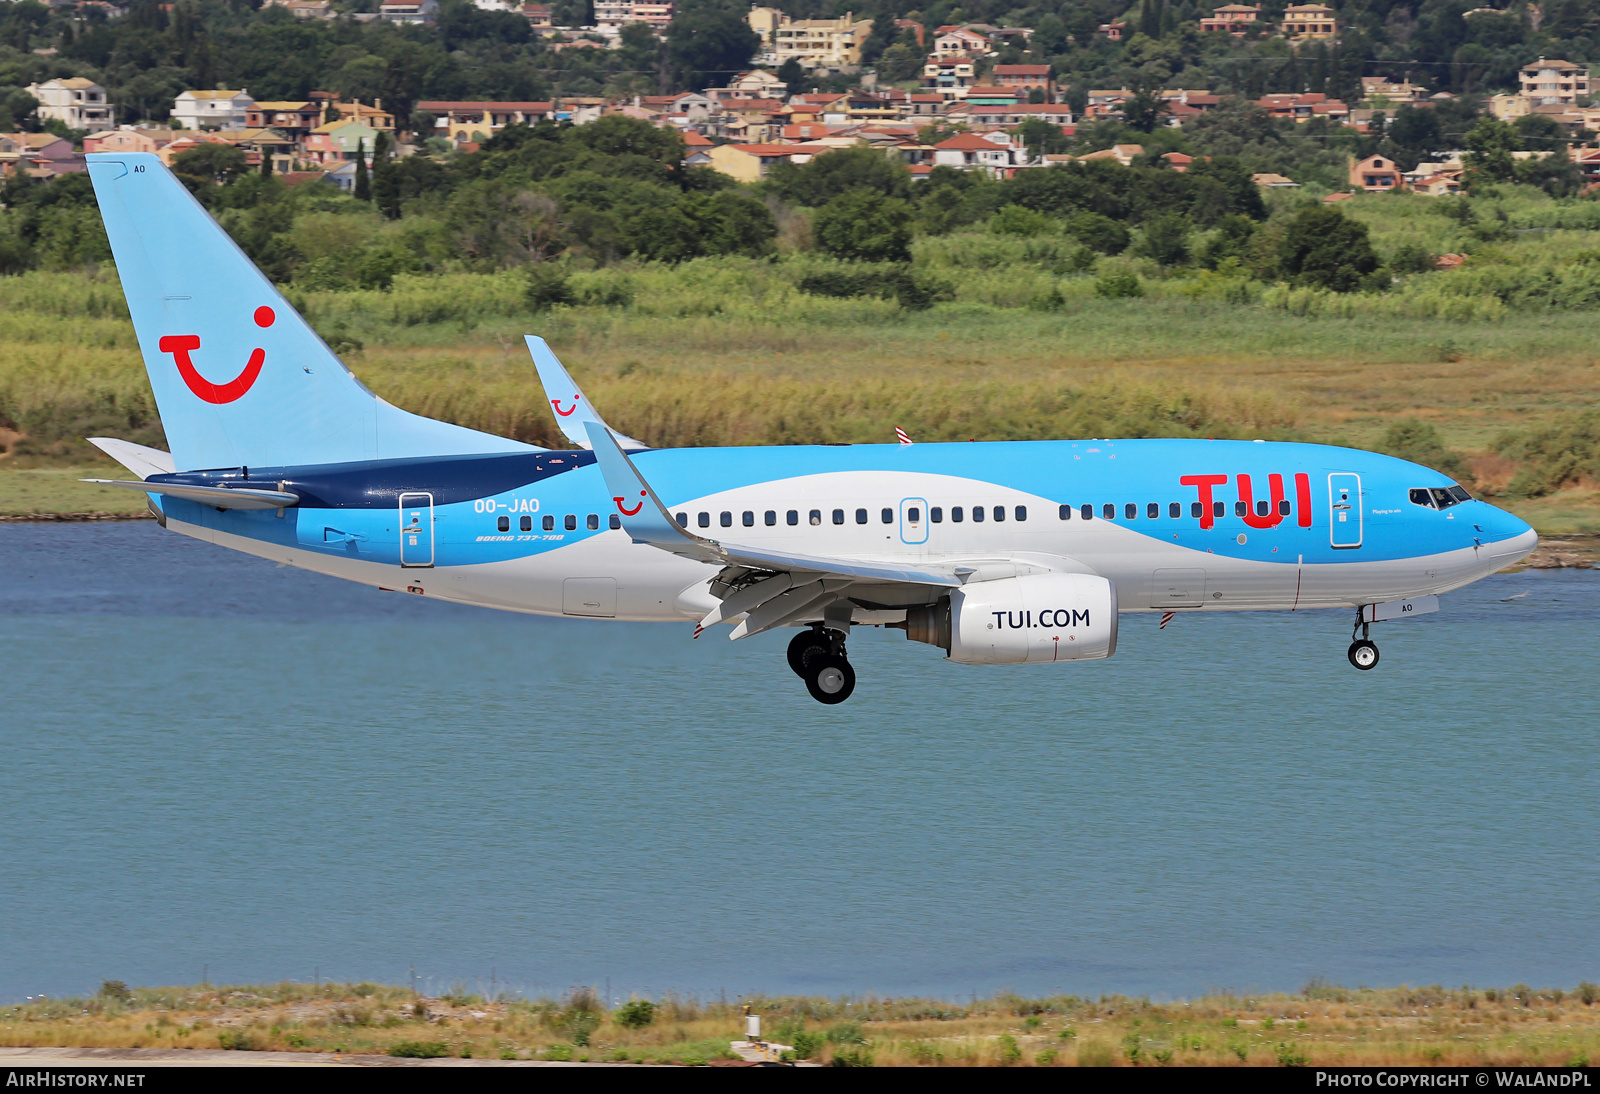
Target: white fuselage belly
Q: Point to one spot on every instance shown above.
(653, 586)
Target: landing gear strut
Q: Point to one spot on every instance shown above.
(1363, 651)
(818, 657)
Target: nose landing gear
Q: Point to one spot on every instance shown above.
(818, 657)
(1363, 651)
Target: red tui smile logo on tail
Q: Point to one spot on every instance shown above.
(635, 510)
(181, 345)
(557, 404)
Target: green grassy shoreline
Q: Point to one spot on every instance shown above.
(1322, 1025)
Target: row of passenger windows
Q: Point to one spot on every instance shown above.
(569, 522)
(862, 516)
(936, 514)
(1152, 510)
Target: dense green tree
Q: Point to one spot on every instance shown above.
(827, 176)
(864, 226)
(710, 42)
(1322, 248)
(1491, 143)
(362, 190)
(216, 163)
(900, 62)
(1166, 239)
(1539, 133)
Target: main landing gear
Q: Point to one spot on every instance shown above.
(818, 657)
(1363, 651)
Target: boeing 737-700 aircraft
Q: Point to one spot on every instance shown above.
(997, 553)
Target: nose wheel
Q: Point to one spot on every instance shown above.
(818, 657)
(1363, 654)
(1363, 651)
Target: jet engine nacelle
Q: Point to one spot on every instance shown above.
(1022, 620)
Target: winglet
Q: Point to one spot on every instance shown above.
(563, 392)
(643, 516)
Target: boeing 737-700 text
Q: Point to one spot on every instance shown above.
(997, 553)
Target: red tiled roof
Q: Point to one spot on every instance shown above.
(780, 149)
(436, 107)
(970, 141)
(1022, 70)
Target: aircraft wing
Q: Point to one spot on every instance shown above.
(220, 497)
(798, 584)
(562, 391)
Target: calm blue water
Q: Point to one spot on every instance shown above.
(213, 765)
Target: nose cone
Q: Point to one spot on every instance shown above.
(1506, 538)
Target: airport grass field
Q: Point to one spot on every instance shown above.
(1498, 357)
(1322, 1025)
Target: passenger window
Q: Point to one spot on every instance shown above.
(888, 516)
(1263, 508)
(936, 515)
(838, 516)
(957, 514)
(504, 524)
(792, 517)
(1218, 509)
(999, 512)
(771, 517)
(549, 523)
(1240, 509)
(527, 524)
(594, 522)
(1086, 512)
(815, 516)
(1066, 512)
(705, 520)
(1130, 511)
(914, 515)
(977, 513)
(1021, 513)
(571, 522)
(1174, 510)
(1153, 510)
(1283, 507)
(861, 516)
(1194, 509)
(615, 522)
(749, 519)
(726, 519)
(1108, 511)
(683, 520)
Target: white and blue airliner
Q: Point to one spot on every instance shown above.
(997, 553)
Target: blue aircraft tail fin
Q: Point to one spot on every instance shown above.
(239, 377)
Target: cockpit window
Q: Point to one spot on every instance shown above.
(1439, 497)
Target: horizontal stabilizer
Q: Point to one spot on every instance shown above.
(142, 461)
(219, 497)
(572, 408)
